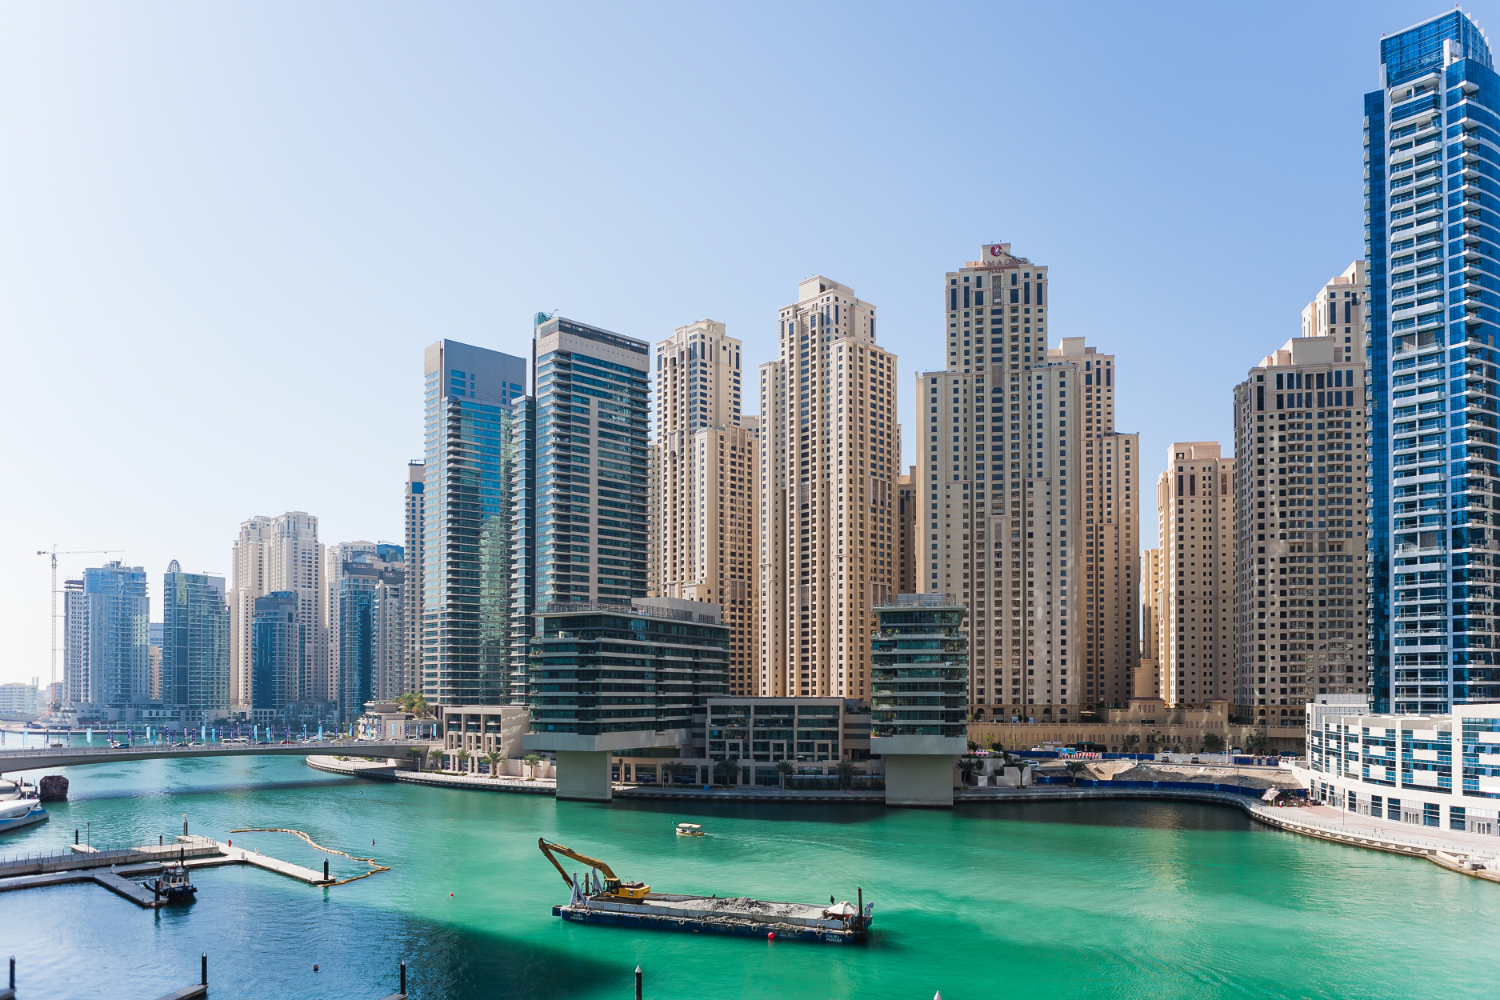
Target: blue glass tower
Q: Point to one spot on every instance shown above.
(1432, 235)
(466, 519)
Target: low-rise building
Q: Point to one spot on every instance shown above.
(481, 730)
(1440, 771)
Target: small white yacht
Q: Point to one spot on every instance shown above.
(19, 806)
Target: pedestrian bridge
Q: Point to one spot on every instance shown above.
(16, 759)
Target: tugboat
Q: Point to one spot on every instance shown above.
(173, 884)
(54, 788)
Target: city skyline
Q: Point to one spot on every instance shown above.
(351, 493)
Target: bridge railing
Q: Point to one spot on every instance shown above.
(197, 747)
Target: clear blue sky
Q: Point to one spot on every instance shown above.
(227, 230)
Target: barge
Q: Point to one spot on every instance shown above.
(601, 897)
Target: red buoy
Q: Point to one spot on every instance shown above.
(770, 935)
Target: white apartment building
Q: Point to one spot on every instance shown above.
(704, 478)
(1437, 771)
(275, 554)
(829, 460)
(996, 503)
(1195, 526)
(404, 676)
(1301, 528)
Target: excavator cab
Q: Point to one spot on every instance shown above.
(629, 890)
(613, 886)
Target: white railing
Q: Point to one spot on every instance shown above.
(145, 749)
(1279, 817)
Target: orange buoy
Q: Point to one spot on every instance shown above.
(315, 968)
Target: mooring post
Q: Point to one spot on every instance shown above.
(860, 916)
(75, 834)
(637, 982)
(12, 972)
(403, 977)
(184, 824)
(156, 893)
(325, 869)
(205, 969)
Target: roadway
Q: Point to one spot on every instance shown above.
(51, 757)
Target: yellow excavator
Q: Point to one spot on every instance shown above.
(612, 884)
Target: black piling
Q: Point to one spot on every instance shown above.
(12, 972)
(205, 969)
(75, 834)
(403, 977)
(325, 869)
(637, 982)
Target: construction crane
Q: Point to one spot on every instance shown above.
(612, 884)
(54, 554)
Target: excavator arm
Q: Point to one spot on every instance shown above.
(548, 848)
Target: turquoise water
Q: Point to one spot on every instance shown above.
(1062, 900)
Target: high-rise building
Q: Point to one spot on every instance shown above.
(1300, 533)
(1432, 336)
(280, 657)
(404, 676)
(908, 519)
(995, 449)
(830, 457)
(75, 682)
(107, 662)
(580, 478)
(704, 471)
(1152, 620)
(466, 528)
(335, 558)
(369, 579)
(1195, 528)
(155, 668)
(194, 676)
(278, 554)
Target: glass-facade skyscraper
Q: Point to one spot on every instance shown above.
(1432, 149)
(466, 519)
(195, 645)
(580, 479)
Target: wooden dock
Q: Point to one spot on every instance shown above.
(235, 855)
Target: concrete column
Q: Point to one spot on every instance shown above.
(919, 779)
(583, 775)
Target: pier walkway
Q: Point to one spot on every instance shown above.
(15, 759)
(115, 869)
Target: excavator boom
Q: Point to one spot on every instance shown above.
(548, 848)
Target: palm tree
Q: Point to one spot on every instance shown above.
(784, 768)
(846, 771)
(463, 759)
(722, 771)
(1074, 769)
(531, 760)
(966, 768)
(493, 758)
(435, 755)
(416, 754)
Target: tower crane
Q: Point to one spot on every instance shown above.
(54, 554)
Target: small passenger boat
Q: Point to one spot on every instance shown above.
(689, 830)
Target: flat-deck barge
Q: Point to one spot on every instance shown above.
(605, 899)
